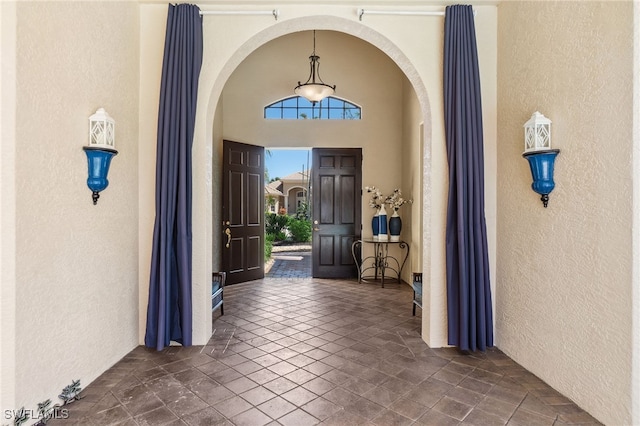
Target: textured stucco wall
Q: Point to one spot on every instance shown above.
(7, 204)
(564, 273)
(76, 264)
(412, 165)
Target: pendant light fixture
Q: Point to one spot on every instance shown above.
(313, 90)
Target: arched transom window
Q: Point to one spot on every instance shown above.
(299, 108)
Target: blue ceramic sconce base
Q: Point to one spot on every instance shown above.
(99, 160)
(541, 164)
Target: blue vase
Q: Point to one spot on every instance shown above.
(395, 227)
(375, 225)
(382, 222)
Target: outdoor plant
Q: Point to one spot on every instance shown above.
(71, 392)
(47, 412)
(302, 212)
(268, 246)
(21, 417)
(300, 230)
(275, 224)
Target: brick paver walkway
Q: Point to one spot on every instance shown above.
(290, 264)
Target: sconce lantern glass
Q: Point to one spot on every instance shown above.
(537, 133)
(537, 150)
(102, 130)
(100, 151)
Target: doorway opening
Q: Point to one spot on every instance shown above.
(388, 164)
(288, 229)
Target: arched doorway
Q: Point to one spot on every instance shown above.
(209, 132)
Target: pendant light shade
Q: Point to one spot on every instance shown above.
(314, 90)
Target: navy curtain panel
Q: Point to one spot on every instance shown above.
(470, 317)
(169, 311)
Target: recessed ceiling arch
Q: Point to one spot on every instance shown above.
(322, 22)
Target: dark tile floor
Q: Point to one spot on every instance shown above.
(307, 351)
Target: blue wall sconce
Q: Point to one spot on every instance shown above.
(537, 150)
(100, 151)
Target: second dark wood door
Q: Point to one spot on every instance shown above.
(242, 212)
(337, 210)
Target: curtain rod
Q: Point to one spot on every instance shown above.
(361, 12)
(274, 12)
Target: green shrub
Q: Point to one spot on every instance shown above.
(302, 212)
(275, 223)
(300, 230)
(268, 246)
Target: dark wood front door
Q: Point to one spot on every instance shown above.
(337, 212)
(242, 212)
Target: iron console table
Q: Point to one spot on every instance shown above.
(381, 261)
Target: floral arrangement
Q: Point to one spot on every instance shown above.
(377, 199)
(395, 200)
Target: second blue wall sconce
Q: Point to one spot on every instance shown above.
(100, 151)
(537, 150)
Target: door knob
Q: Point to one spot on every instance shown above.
(228, 233)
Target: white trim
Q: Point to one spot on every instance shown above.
(362, 12)
(274, 12)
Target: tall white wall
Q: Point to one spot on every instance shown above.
(72, 280)
(564, 301)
